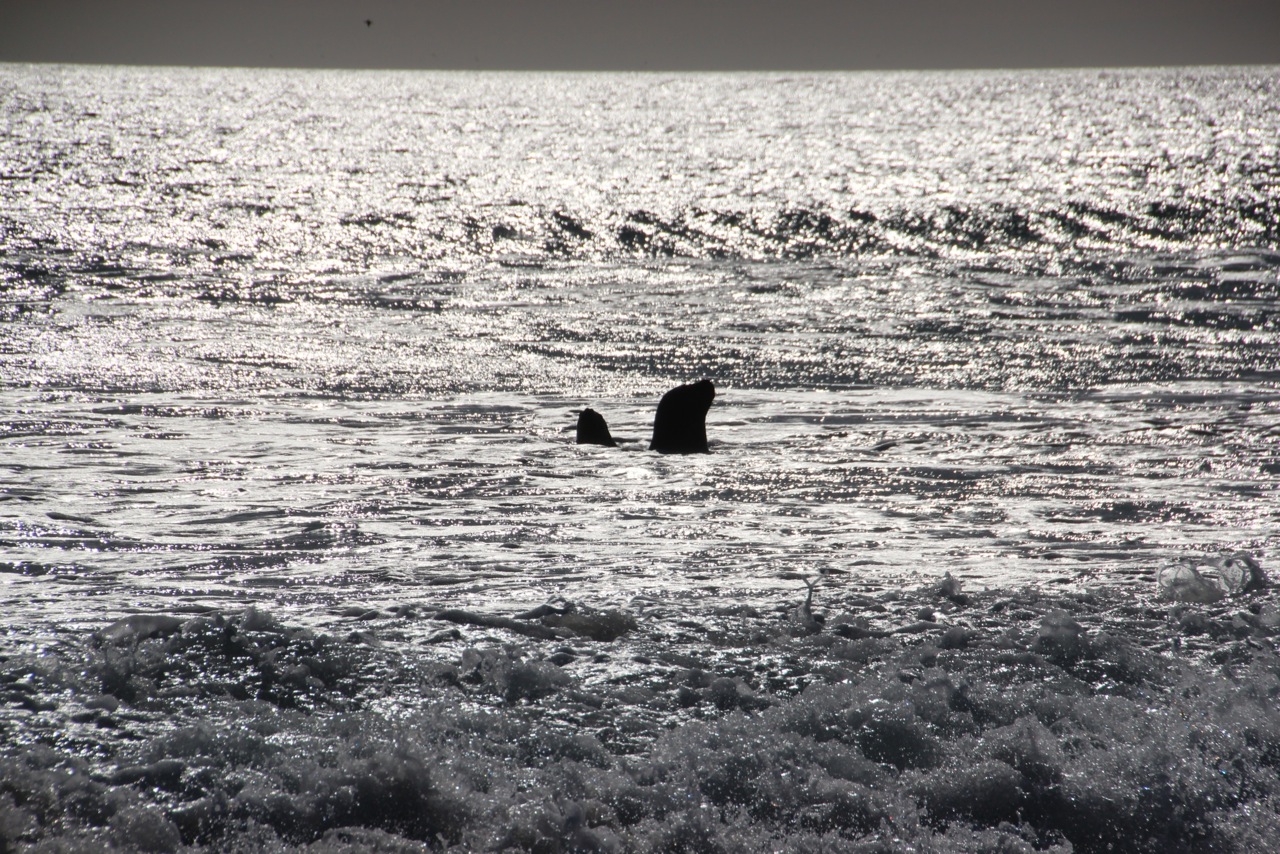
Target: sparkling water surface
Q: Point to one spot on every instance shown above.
(316, 341)
(315, 337)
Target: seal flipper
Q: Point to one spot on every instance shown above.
(592, 429)
(680, 425)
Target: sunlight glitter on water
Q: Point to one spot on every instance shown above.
(297, 550)
(998, 489)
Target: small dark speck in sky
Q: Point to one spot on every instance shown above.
(653, 34)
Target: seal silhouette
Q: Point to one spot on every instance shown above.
(680, 425)
(592, 429)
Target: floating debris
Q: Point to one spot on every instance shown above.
(951, 588)
(1208, 581)
(139, 627)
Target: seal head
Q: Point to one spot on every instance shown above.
(680, 425)
(592, 429)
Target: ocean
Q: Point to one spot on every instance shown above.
(298, 551)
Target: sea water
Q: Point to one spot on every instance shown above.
(290, 363)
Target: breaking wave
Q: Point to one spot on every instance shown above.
(1010, 721)
(806, 233)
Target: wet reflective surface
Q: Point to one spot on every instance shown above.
(323, 502)
(316, 343)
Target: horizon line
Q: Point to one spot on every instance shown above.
(646, 70)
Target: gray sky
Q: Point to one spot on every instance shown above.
(655, 34)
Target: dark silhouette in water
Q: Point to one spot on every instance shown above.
(592, 429)
(680, 427)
